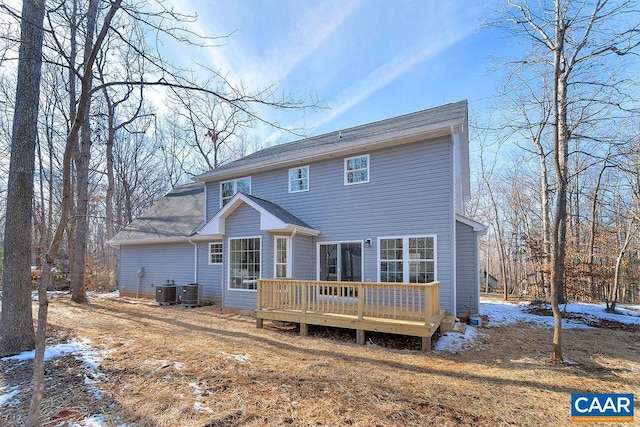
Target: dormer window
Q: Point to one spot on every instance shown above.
(228, 189)
(356, 170)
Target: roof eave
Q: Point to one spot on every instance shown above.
(477, 227)
(152, 241)
(303, 156)
(302, 230)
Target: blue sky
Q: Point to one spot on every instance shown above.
(367, 60)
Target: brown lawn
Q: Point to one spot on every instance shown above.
(171, 366)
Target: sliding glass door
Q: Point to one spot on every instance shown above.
(340, 262)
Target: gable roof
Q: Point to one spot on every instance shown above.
(174, 217)
(478, 227)
(279, 212)
(272, 217)
(411, 127)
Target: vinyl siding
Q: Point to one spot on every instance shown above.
(213, 199)
(209, 276)
(161, 262)
(410, 192)
(303, 258)
(466, 269)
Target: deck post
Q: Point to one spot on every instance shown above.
(360, 302)
(259, 322)
(426, 344)
(304, 299)
(360, 337)
(258, 296)
(304, 329)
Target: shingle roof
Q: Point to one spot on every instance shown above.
(176, 215)
(279, 212)
(441, 116)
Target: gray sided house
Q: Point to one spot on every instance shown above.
(381, 202)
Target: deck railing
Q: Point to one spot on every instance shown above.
(401, 301)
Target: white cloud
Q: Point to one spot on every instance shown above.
(379, 78)
(287, 43)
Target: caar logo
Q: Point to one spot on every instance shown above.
(604, 408)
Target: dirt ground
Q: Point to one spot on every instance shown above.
(172, 366)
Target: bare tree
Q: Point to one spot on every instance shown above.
(211, 127)
(16, 324)
(45, 278)
(82, 158)
(113, 127)
(576, 38)
(533, 107)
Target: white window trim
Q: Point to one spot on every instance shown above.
(229, 288)
(275, 256)
(308, 179)
(235, 187)
(217, 242)
(338, 260)
(346, 181)
(405, 259)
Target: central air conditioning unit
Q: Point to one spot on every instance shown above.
(190, 295)
(166, 294)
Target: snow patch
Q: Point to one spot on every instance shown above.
(198, 405)
(96, 420)
(54, 351)
(453, 342)
(103, 295)
(503, 313)
(7, 398)
(83, 351)
(242, 358)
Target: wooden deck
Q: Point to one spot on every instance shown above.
(397, 308)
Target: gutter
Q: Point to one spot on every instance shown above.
(291, 251)
(118, 243)
(195, 260)
(195, 267)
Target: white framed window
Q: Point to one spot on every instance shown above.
(282, 257)
(356, 170)
(215, 253)
(299, 179)
(244, 262)
(407, 259)
(228, 189)
(391, 260)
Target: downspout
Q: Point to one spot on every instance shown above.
(223, 272)
(195, 266)
(454, 242)
(478, 234)
(205, 202)
(295, 230)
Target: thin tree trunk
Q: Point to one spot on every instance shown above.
(560, 160)
(110, 218)
(82, 171)
(613, 296)
(592, 237)
(544, 202)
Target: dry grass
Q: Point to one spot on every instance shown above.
(170, 366)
